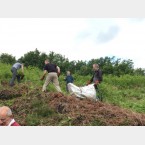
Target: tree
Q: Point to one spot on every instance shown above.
(31, 58)
(42, 58)
(109, 65)
(139, 71)
(7, 58)
(59, 60)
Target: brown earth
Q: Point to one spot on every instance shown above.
(64, 110)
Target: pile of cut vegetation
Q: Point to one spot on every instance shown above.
(57, 109)
(7, 92)
(31, 107)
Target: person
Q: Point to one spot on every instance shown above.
(6, 117)
(97, 76)
(69, 79)
(52, 76)
(15, 75)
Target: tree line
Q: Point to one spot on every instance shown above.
(109, 65)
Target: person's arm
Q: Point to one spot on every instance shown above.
(65, 78)
(44, 73)
(22, 67)
(90, 81)
(58, 71)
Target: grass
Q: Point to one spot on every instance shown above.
(125, 91)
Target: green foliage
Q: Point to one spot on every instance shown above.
(6, 58)
(109, 65)
(42, 108)
(5, 71)
(32, 120)
(126, 90)
(36, 59)
(139, 71)
(33, 58)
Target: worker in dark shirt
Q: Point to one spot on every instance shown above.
(69, 79)
(97, 76)
(52, 76)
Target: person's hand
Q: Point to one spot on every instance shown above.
(22, 76)
(42, 78)
(96, 83)
(88, 83)
(58, 74)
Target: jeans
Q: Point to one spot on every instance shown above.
(14, 76)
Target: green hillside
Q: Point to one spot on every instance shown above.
(126, 92)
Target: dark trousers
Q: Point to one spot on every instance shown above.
(14, 76)
(99, 94)
(96, 87)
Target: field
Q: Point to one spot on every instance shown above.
(123, 101)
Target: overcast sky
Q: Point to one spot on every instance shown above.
(76, 38)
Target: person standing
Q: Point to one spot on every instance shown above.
(15, 75)
(52, 76)
(69, 79)
(97, 76)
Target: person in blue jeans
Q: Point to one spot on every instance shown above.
(69, 79)
(15, 75)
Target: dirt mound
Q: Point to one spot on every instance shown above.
(32, 107)
(87, 112)
(7, 92)
(58, 109)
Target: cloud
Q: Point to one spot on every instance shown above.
(99, 31)
(77, 39)
(104, 37)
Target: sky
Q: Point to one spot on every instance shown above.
(75, 38)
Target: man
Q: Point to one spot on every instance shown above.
(97, 76)
(6, 117)
(15, 75)
(52, 76)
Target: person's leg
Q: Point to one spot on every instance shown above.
(67, 88)
(14, 73)
(18, 78)
(99, 95)
(56, 82)
(96, 87)
(47, 81)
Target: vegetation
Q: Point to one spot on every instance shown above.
(7, 58)
(122, 86)
(126, 91)
(109, 65)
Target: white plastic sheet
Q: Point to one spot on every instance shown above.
(82, 92)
